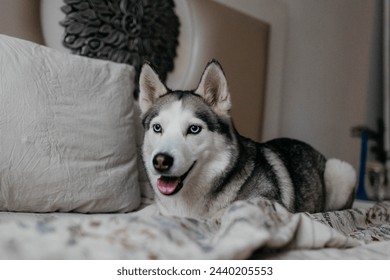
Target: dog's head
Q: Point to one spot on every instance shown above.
(185, 131)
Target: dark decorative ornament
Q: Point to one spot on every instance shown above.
(124, 31)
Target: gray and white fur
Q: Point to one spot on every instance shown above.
(198, 164)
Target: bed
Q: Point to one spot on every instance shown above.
(72, 185)
(274, 234)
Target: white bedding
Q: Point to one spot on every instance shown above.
(257, 229)
(67, 132)
(371, 251)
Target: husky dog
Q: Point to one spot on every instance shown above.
(198, 164)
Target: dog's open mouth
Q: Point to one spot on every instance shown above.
(169, 185)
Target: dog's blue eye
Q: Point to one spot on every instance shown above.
(157, 128)
(194, 129)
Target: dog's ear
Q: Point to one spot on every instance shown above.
(150, 87)
(213, 88)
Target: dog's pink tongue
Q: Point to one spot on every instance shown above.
(167, 186)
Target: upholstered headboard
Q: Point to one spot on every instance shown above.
(236, 34)
(21, 19)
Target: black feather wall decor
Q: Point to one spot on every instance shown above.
(124, 31)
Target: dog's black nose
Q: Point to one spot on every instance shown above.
(162, 162)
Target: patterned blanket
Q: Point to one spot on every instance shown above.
(257, 228)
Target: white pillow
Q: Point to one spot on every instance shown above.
(66, 132)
